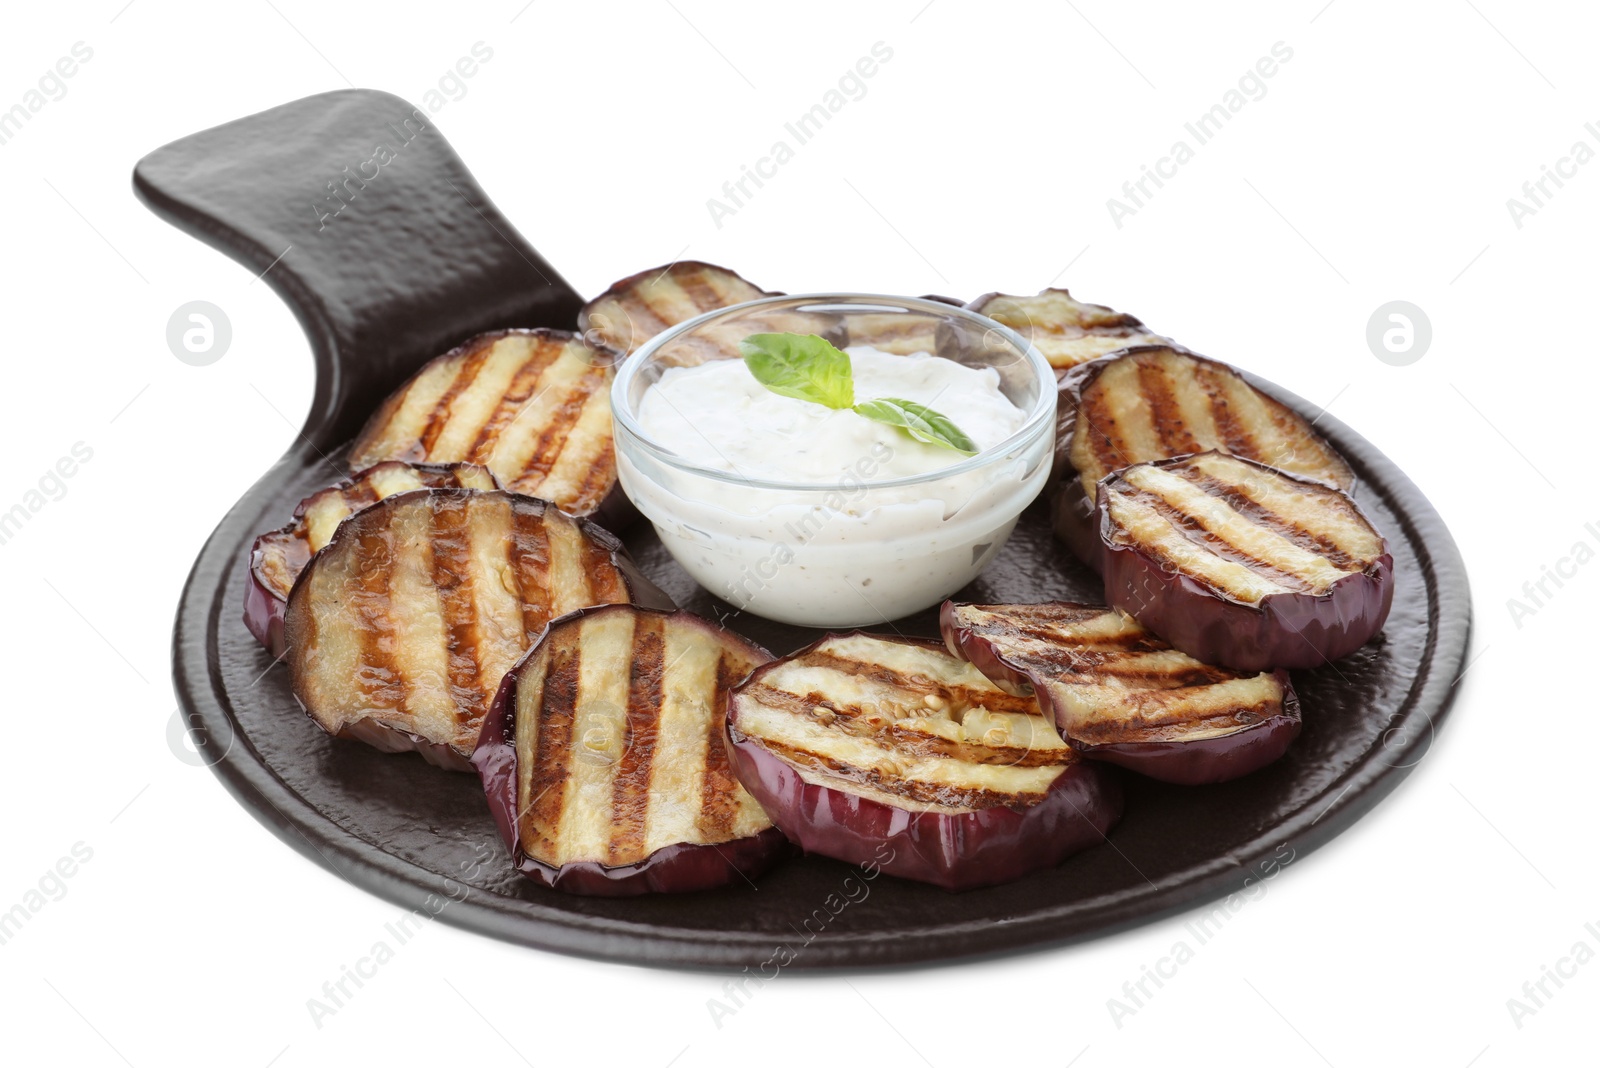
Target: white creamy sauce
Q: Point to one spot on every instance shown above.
(717, 415)
(831, 548)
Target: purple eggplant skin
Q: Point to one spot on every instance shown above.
(263, 607)
(1193, 763)
(1282, 630)
(984, 847)
(1072, 515)
(978, 651)
(678, 868)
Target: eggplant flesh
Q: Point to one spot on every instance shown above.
(402, 627)
(604, 757)
(1240, 564)
(1116, 692)
(892, 753)
(1065, 330)
(533, 406)
(278, 556)
(640, 306)
(1157, 402)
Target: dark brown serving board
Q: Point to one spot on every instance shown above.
(417, 260)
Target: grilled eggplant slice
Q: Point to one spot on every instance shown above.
(1241, 564)
(402, 627)
(1066, 331)
(642, 305)
(1116, 692)
(278, 556)
(605, 761)
(1155, 402)
(893, 753)
(533, 406)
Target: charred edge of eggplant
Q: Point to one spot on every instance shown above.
(622, 285)
(953, 851)
(938, 298)
(1185, 763)
(1209, 760)
(679, 868)
(386, 410)
(1282, 630)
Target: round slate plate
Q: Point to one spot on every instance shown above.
(410, 257)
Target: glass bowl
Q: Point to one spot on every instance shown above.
(859, 548)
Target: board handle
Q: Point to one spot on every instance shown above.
(369, 226)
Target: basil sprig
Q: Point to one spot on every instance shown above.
(808, 368)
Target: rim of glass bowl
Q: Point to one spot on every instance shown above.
(1040, 418)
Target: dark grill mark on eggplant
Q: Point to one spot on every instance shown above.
(1196, 532)
(452, 576)
(1158, 388)
(1231, 431)
(921, 685)
(379, 679)
(942, 795)
(1281, 525)
(530, 567)
(498, 419)
(630, 792)
(556, 431)
(525, 385)
(439, 418)
(553, 745)
(1100, 693)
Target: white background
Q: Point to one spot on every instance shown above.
(1377, 167)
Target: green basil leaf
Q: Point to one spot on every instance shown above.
(918, 420)
(802, 366)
